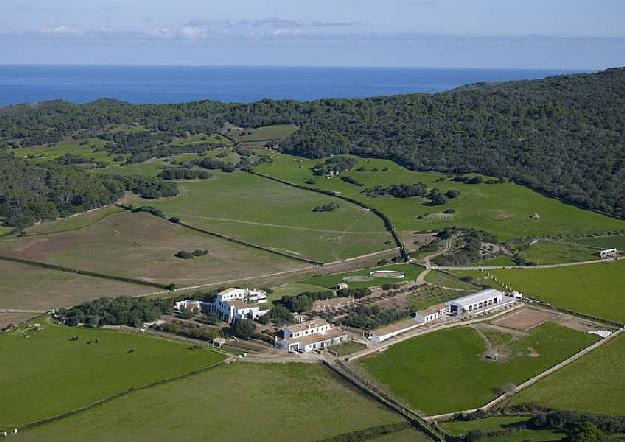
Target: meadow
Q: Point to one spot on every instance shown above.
(142, 246)
(555, 252)
(45, 372)
(459, 428)
(238, 402)
(592, 384)
(86, 148)
(362, 278)
(271, 214)
(445, 371)
(33, 288)
(74, 222)
(504, 209)
(594, 289)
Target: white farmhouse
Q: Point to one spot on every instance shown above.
(188, 304)
(233, 304)
(431, 313)
(608, 253)
(479, 302)
(316, 334)
(388, 331)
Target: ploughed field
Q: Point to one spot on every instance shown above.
(274, 215)
(504, 209)
(45, 372)
(142, 246)
(463, 367)
(238, 402)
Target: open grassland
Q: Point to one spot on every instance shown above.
(594, 289)
(446, 280)
(501, 260)
(26, 287)
(459, 428)
(45, 373)
(446, 371)
(555, 252)
(73, 222)
(239, 402)
(426, 297)
(202, 139)
(87, 148)
(347, 348)
(264, 212)
(361, 278)
(593, 384)
(407, 435)
(139, 245)
(256, 138)
(149, 168)
(604, 242)
(504, 209)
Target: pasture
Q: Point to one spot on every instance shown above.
(499, 423)
(594, 289)
(142, 246)
(86, 148)
(73, 222)
(237, 402)
(33, 288)
(45, 372)
(271, 214)
(361, 278)
(555, 252)
(592, 384)
(504, 209)
(446, 370)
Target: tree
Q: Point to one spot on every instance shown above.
(244, 328)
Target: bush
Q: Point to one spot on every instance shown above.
(244, 328)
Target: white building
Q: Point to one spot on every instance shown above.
(342, 286)
(608, 253)
(188, 304)
(479, 302)
(388, 331)
(316, 334)
(431, 313)
(233, 304)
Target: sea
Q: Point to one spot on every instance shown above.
(176, 84)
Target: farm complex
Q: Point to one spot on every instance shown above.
(276, 297)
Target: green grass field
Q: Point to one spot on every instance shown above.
(26, 287)
(264, 212)
(595, 289)
(411, 272)
(445, 371)
(142, 246)
(86, 148)
(73, 222)
(265, 133)
(44, 373)
(555, 252)
(347, 348)
(502, 209)
(593, 384)
(606, 242)
(239, 402)
(428, 296)
(459, 428)
(445, 280)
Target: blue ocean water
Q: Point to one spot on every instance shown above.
(174, 84)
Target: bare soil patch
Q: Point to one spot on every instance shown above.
(525, 319)
(583, 325)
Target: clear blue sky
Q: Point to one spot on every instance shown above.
(437, 33)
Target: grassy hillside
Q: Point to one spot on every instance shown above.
(240, 402)
(445, 371)
(271, 214)
(46, 373)
(504, 209)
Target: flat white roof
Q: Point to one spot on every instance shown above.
(477, 297)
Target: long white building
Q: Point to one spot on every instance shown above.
(234, 303)
(479, 302)
(306, 336)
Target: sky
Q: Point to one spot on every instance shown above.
(561, 34)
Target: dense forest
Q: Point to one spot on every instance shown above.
(562, 136)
